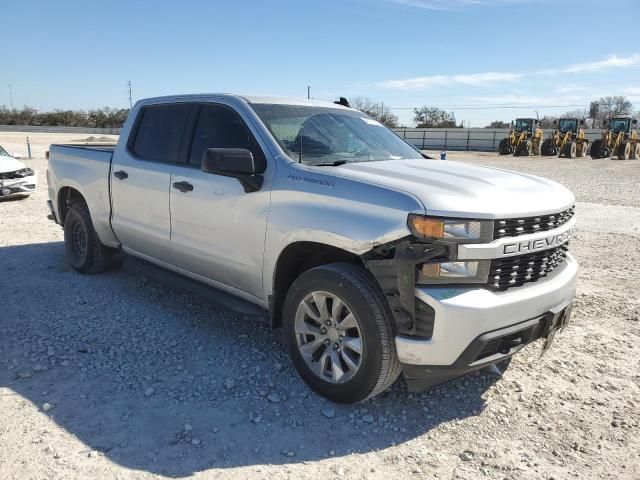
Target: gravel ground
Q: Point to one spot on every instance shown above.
(118, 376)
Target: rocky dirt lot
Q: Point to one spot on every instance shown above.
(119, 376)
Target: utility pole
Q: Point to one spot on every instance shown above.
(308, 92)
(10, 96)
(130, 101)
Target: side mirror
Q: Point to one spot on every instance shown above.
(634, 121)
(555, 122)
(232, 162)
(582, 122)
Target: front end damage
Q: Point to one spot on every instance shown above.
(18, 183)
(444, 331)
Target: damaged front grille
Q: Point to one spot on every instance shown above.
(514, 227)
(24, 172)
(515, 271)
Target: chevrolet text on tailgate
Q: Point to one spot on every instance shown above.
(375, 260)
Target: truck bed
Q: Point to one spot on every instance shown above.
(85, 167)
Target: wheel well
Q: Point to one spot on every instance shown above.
(296, 259)
(66, 197)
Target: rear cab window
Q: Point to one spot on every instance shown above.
(158, 132)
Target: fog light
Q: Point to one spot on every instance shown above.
(454, 272)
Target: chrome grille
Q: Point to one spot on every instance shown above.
(515, 271)
(514, 227)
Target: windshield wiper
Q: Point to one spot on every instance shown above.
(337, 163)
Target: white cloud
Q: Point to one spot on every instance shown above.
(611, 62)
(473, 79)
(453, 4)
(489, 78)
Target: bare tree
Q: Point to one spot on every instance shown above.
(615, 106)
(375, 110)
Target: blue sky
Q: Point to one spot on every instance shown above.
(467, 56)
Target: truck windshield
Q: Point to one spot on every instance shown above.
(568, 125)
(523, 124)
(325, 135)
(620, 124)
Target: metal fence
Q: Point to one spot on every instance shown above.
(480, 139)
(42, 129)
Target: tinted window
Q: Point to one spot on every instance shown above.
(160, 130)
(221, 127)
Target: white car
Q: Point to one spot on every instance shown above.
(16, 179)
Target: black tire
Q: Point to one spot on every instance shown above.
(546, 147)
(570, 150)
(83, 247)
(596, 148)
(380, 366)
(635, 151)
(525, 148)
(537, 148)
(504, 148)
(583, 149)
(624, 151)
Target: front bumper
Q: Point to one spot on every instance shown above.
(18, 186)
(467, 318)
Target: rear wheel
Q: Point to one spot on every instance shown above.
(537, 149)
(339, 332)
(583, 149)
(525, 148)
(624, 151)
(570, 150)
(596, 148)
(546, 147)
(83, 247)
(636, 151)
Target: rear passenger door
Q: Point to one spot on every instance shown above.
(141, 175)
(218, 229)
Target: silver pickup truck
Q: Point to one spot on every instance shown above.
(375, 260)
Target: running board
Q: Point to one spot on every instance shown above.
(169, 279)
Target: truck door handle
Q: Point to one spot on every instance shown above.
(120, 174)
(183, 186)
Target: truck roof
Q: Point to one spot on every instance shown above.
(248, 99)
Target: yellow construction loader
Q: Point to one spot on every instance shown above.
(525, 138)
(567, 140)
(619, 139)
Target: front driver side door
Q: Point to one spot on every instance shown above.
(218, 229)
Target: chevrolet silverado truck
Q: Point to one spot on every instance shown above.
(374, 260)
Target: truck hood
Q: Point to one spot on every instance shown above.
(463, 190)
(10, 164)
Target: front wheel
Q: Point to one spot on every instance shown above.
(504, 148)
(339, 332)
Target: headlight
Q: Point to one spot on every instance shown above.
(434, 228)
(453, 272)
